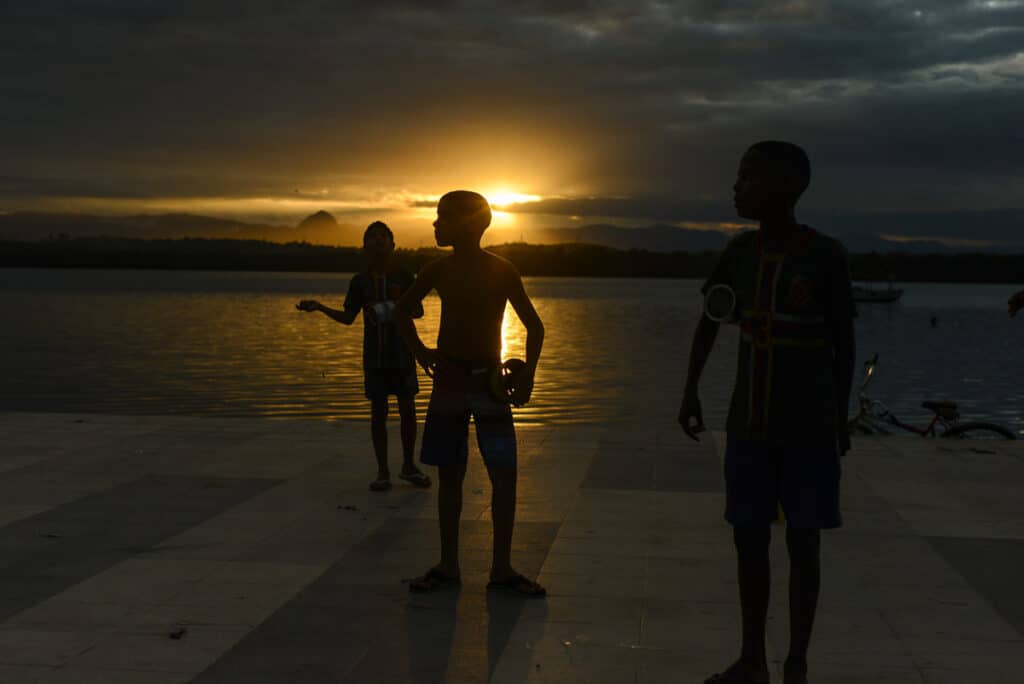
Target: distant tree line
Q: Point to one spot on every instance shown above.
(581, 260)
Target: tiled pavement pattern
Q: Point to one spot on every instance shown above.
(258, 546)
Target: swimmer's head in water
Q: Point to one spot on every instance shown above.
(771, 177)
(461, 215)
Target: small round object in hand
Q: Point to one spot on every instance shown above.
(720, 304)
(502, 379)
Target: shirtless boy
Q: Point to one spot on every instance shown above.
(474, 286)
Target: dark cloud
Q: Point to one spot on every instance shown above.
(901, 105)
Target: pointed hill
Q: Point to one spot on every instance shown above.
(323, 228)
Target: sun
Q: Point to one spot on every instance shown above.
(504, 198)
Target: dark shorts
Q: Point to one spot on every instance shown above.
(446, 429)
(380, 383)
(761, 476)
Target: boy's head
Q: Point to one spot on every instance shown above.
(462, 216)
(378, 240)
(772, 176)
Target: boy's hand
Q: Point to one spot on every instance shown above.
(1015, 303)
(308, 305)
(522, 387)
(690, 408)
(428, 360)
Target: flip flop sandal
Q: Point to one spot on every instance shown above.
(433, 580)
(733, 675)
(416, 479)
(380, 485)
(518, 586)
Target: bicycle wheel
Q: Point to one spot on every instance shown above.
(979, 430)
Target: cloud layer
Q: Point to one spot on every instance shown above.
(902, 106)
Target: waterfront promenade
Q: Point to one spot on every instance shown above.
(165, 549)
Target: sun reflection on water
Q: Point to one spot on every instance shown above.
(513, 336)
(232, 344)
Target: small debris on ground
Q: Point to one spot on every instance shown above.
(348, 507)
(178, 633)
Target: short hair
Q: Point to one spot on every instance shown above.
(378, 224)
(471, 206)
(788, 154)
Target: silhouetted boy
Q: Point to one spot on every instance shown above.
(786, 428)
(474, 286)
(388, 364)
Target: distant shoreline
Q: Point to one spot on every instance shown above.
(557, 260)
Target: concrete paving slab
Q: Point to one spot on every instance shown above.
(299, 577)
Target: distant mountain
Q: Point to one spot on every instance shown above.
(969, 230)
(318, 221)
(35, 226)
(863, 233)
(320, 227)
(658, 238)
(865, 244)
(667, 238)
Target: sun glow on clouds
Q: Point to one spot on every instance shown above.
(503, 198)
(289, 207)
(500, 200)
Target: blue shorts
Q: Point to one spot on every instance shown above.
(380, 383)
(446, 429)
(804, 480)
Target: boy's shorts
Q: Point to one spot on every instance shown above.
(380, 383)
(446, 428)
(804, 479)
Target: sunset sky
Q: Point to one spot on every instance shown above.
(631, 114)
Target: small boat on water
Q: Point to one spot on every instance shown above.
(877, 296)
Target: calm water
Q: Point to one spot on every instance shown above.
(220, 343)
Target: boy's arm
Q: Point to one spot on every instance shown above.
(839, 317)
(417, 307)
(345, 316)
(523, 307)
(703, 341)
(353, 304)
(406, 308)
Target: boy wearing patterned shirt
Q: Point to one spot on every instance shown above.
(388, 365)
(786, 428)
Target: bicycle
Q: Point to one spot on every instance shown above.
(874, 417)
